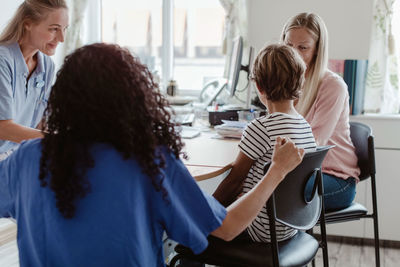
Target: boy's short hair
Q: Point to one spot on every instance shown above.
(279, 72)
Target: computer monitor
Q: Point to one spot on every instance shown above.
(235, 64)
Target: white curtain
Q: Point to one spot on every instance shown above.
(235, 23)
(73, 37)
(382, 85)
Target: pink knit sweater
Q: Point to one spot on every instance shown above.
(329, 120)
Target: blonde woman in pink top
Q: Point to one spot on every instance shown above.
(324, 103)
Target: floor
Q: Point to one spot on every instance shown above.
(354, 253)
(346, 253)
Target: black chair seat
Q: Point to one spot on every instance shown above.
(297, 251)
(356, 210)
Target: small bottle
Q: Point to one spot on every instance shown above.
(172, 88)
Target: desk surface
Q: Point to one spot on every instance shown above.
(205, 151)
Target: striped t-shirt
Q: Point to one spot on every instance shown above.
(258, 142)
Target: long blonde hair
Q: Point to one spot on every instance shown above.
(32, 10)
(316, 27)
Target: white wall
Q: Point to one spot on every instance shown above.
(348, 23)
(7, 10)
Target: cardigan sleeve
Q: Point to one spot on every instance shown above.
(330, 103)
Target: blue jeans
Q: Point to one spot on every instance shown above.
(338, 193)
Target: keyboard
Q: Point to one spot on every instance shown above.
(182, 109)
(187, 132)
(181, 100)
(184, 119)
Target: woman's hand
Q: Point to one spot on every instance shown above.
(286, 156)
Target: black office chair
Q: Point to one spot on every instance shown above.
(361, 136)
(286, 205)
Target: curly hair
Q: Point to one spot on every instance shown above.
(279, 71)
(103, 94)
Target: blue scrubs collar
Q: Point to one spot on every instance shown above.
(21, 64)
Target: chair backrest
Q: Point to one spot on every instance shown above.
(363, 141)
(292, 208)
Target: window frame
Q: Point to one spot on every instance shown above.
(167, 59)
(94, 21)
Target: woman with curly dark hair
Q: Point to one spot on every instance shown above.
(106, 181)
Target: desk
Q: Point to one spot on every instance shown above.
(207, 154)
(207, 151)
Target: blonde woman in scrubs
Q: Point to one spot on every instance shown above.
(26, 70)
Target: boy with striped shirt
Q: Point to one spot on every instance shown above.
(278, 72)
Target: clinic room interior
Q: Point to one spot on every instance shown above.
(201, 54)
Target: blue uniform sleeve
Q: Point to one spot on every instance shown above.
(6, 92)
(8, 181)
(191, 214)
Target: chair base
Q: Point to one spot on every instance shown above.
(297, 251)
(355, 211)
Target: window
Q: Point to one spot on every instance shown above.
(136, 25)
(191, 37)
(396, 34)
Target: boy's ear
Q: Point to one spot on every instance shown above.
(261, 92)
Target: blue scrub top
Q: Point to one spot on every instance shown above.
(120, 222)
(22, 100)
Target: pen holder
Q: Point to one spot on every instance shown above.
(172, 88)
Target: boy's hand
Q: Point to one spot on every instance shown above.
(286, 155)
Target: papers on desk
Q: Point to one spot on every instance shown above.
(231, 129)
